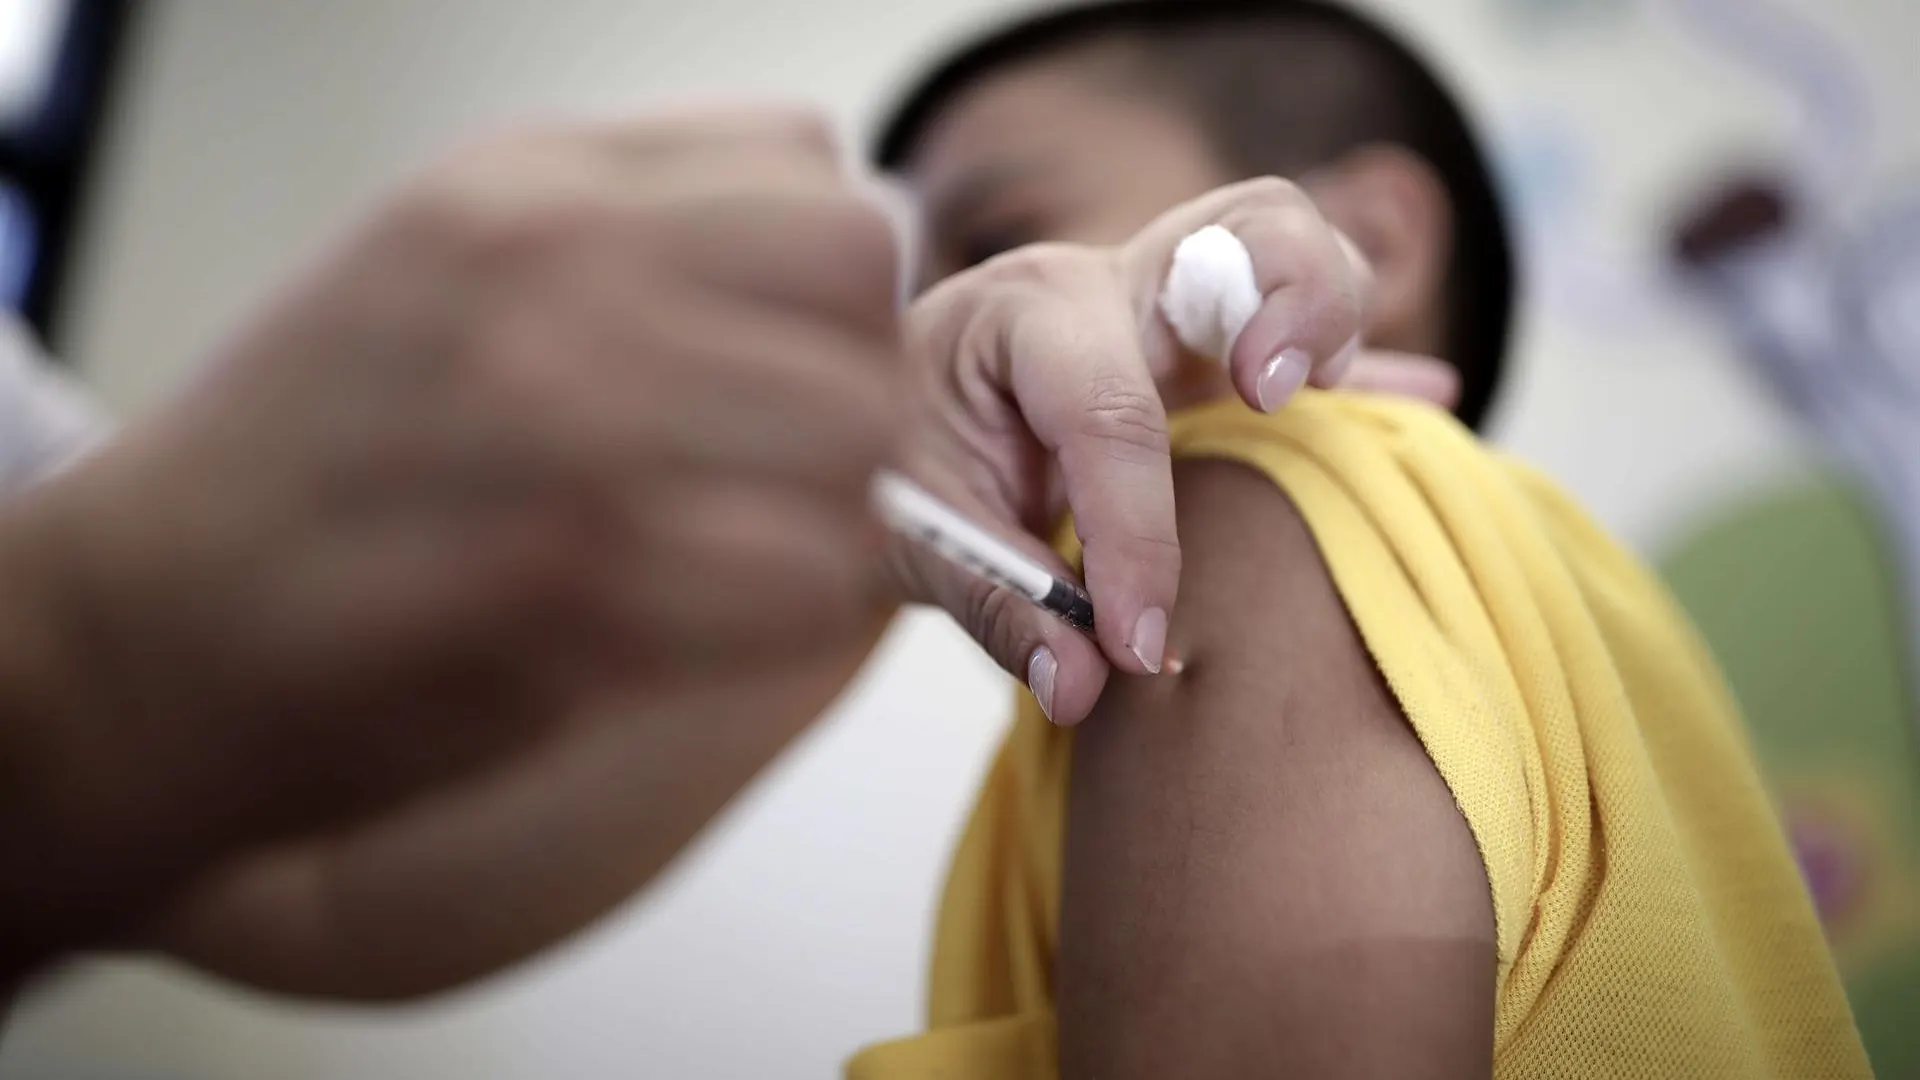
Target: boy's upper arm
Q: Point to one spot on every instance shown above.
(1265, 875)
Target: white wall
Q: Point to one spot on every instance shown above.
(253, 130)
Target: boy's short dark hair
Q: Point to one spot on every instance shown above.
(1237, 66)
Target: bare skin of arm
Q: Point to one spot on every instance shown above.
(1265, 875)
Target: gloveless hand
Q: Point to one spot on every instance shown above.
(1044, 378)
(581, 413)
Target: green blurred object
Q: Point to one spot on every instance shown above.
(1796, 594)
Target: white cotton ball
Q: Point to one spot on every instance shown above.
(1211, 294)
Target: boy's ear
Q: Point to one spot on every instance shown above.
(1393, 204)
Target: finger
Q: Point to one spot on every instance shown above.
(830, 252)
(747, 389)
(1299, 319)
(1405, 375)
(708, 154)
(816, 407)
(1061, 666)
(1310, 319)
(898, 205)
(734, 574)
(1334, 372)
(802, 133)
(1072, 358)
(800, 436)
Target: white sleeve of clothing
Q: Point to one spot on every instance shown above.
(46, 419)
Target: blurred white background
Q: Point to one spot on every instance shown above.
(249, 132)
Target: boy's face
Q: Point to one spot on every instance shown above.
(1056, 149)
(1043, 152)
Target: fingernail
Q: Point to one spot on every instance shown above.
(1341, 363)
(1041, 670)
(1284, 376)
(1149, 640)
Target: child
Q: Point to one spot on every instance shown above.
(1446, 786)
